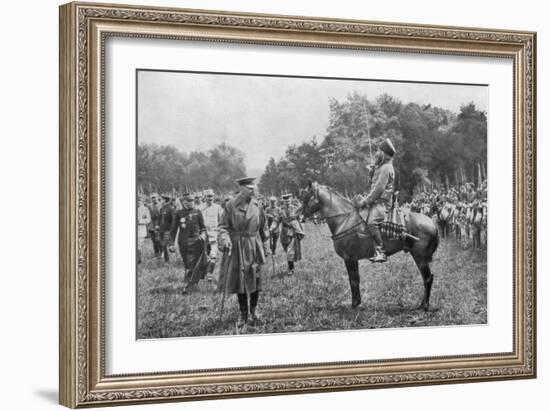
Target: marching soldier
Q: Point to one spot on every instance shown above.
(272, 214)
(189, 226)
(212, 214)
(291, 233)
(242, 238)
(378, 199)
(154, 212)
(143, 220)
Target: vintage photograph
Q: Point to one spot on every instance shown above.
(283, 204)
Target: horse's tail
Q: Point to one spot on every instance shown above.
(432, 245)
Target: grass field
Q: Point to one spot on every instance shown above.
(317, 297)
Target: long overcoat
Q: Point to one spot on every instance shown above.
(243, 224)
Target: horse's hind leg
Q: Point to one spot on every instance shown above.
(428, 278)
(353, 275)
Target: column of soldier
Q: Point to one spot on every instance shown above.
(222, 238)
(460, 211)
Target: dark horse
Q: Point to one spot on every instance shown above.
(346, 224)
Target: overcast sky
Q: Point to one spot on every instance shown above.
(263, 115)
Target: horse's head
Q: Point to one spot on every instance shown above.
(309, 199)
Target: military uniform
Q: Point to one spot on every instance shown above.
(154, 212)
(143, 221)
(378, 199)
(166, 219)
(212, 215)
(243, 231)
(188, 224)
(291, 235)
(272, 214)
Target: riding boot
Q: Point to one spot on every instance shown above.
(210, 270)
(290, 267)
(254, 317)
(243, 307)
(380, 254)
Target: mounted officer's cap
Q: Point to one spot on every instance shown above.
(287, 196)
(247, 182)
(209, 192)
(387, 147)
(167, 198)
(186, 196)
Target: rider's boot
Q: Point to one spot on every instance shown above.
(380, 254)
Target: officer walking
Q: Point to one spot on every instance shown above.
(166, 218)
(243, 239)
(291, 232)
(272, 214)
(154, 212)
(191, 237)
(212, 214)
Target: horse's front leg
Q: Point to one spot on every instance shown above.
(353, 275)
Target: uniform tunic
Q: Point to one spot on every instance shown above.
(243, 226)
(143, 220)
(190, 224)
(380, 193)
(291, 233)
(272, 214)
(166, 218)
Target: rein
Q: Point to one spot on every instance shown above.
(347, 231)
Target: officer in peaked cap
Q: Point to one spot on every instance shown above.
(273, 216)
(212, 214)
(189, 223)
(243, 239)
(165, 224)
(292, 232)
(378, 199)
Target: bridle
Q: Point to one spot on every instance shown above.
(347, 231)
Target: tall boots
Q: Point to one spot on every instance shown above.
(243, 307)
(379, 253)
(290, 267)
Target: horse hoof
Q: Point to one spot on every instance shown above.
(424, 307)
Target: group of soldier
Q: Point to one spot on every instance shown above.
(242, 228)
(461, 211)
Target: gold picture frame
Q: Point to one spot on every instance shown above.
(83, 30)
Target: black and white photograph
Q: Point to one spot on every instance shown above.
(285, 204)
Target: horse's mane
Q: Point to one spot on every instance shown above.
(333, 191)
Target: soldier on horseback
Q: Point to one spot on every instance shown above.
(378, 199)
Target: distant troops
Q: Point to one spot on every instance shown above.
(154, 234)
(292, 232)
(188, 225)
(166, 220)
(243, 240)
(212, 214)
(272, 214)
(143, 221)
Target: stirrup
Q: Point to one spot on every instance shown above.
(379, 257)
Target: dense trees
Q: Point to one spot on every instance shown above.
(165, 168)
(434, 146)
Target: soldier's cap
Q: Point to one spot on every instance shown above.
(197, 196)
(387, 147)
(247, 182)
(286, 196)
(209, 192)
(272, 198)
(167, 198)
(186, 196)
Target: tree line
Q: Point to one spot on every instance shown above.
(435, 147)
(165, 169)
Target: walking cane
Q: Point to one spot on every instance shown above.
(225, 258)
